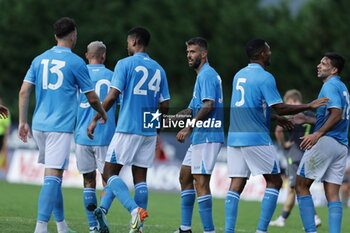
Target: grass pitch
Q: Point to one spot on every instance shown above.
(18, 213)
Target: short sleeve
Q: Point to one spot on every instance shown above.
(191, 105)
(331, 91)
(269, 91)
(164, 90)
(119, 76)
(208, 88)
(82, 77)
(30, 75)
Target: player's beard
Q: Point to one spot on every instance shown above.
(196, 63)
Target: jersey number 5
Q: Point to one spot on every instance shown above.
(56, 69)
(240, 88)
(153, 84)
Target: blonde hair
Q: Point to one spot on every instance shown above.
(96, 49)
(293, 94)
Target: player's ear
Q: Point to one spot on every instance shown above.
(86, 56)
(103, 56)
(204, 53)
(334, 70)
(134, 42)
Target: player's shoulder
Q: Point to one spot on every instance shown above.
(75, 59)
(45, 55)
(107, 73)
(333, 84)
(208, 74)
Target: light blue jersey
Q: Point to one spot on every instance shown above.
(254, 91)
(57, 74)
(101, 78)
(336, 91)
(143, 83)
(208, 87)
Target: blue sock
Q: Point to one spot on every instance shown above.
(141, 194)
(121, 191)
(188, 197)
(268, 206)
(90, 204)
(335, 215)
(107, 199)
(205, 212)
(48, 197)
(58, 210)
(231, 209)
(307, 212)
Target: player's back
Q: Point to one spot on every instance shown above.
(101, 78)
(56, 74)
(254, 91)
(143, 84)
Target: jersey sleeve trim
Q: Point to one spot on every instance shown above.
(87, 91)
(208, 99)
(162, 100)
(116, 88)
(277, 102)
(328, 107)
(29, 82)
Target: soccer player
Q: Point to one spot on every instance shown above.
(91, 154)
(55, 74)
(326, 149)
(293, 153)
(250, 149)
(145, 88)
(198, 164)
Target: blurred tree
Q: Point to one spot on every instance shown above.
(297, 41)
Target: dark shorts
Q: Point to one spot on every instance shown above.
(292, 173)
(294, 156)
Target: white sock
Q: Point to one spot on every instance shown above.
(134, 211)
(62, 226)
(41, 227)
(185, 228)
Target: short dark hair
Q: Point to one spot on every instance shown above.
(141, 34)
(200, 41)
(337, 60)
(254, 48)
(64, 26)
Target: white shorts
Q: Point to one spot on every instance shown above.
(90, 157)
(54, 148)
(202, 157)
(255, 160)
(325, 161)
(132, 149)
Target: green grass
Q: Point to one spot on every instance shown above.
(19, 209)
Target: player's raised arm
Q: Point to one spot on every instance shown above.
(23, 127)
